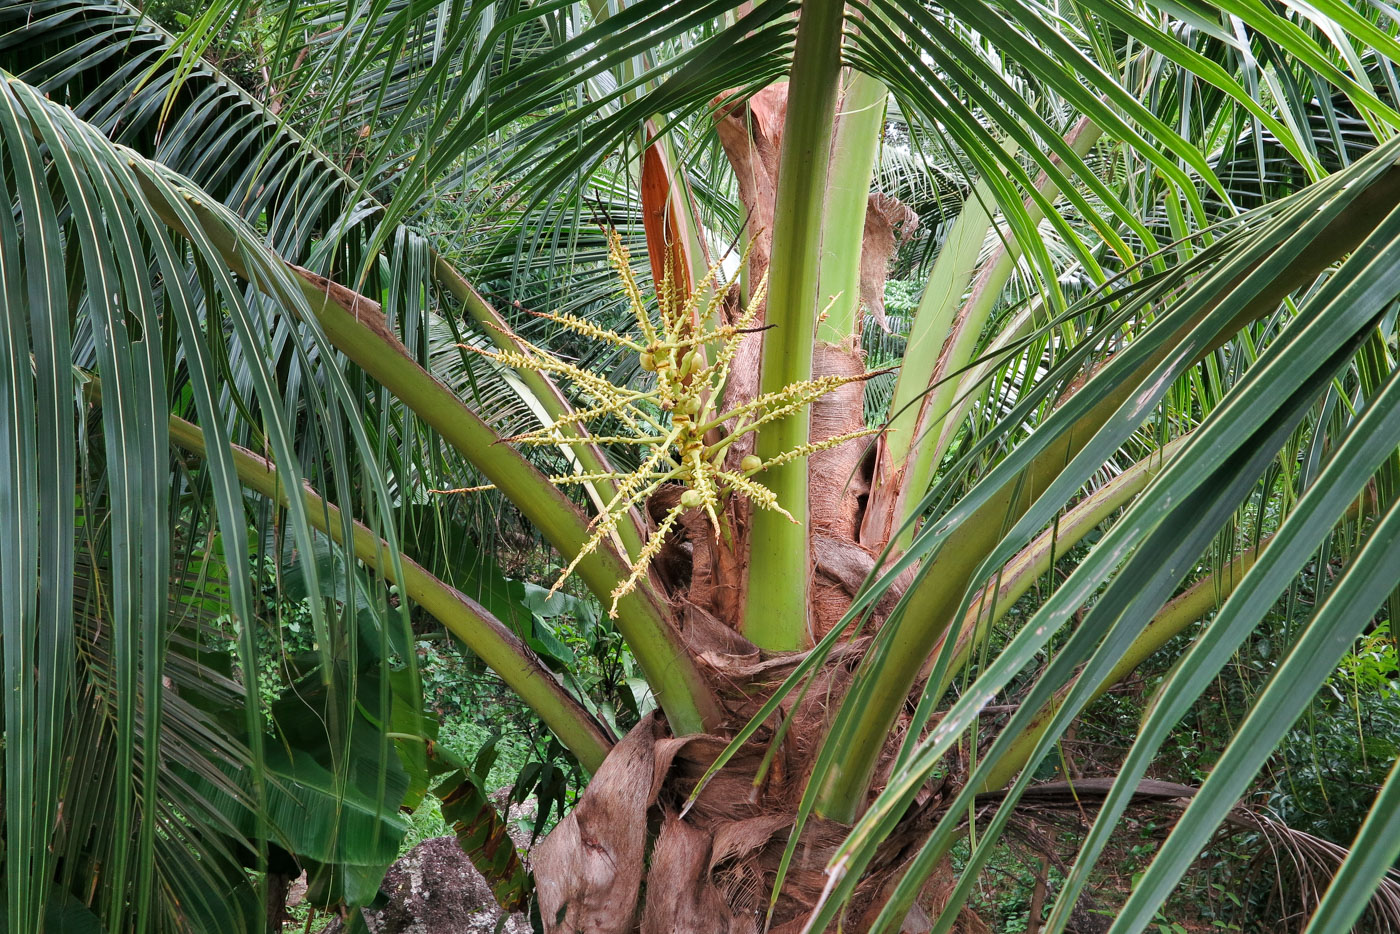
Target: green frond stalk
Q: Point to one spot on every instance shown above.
(958, 299)
(932, 604)
(775, 615)
(1192, 604)
(356, 327)
(1033, 561)
(858, 133)
(500, 648)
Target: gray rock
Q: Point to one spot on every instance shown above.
(435, 889)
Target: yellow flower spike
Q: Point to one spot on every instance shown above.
(588, 329)
(676, 346)
(649, 551)
(704, 487)
(543, 363)
(790, 398)
(576, 479)
(808, 449)
(619, 257)
(711, 275)
(603, 530)
(634, 480)
(597, 439)
(576, 417)
(716, 302)
(467, 489)
(756, 493)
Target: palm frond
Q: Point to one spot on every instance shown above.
(102, 288)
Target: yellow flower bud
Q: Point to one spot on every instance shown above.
(648, 360)
(751, 463)
(691, 499)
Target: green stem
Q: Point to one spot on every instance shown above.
(944, 335)
(775, 614)
(356, 327)
(933, 602)
(858, 134)
(502, 650)
(1180, 612)
(1036, 558)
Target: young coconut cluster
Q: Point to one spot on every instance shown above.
(691, 351)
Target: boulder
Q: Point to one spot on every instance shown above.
(435, 889)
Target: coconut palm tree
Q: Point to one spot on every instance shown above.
(248, 323)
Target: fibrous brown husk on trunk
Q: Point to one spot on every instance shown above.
(888, 223)
(712, 865)
(839, 483)
(750, 129)
(588, 871)
(682, 897)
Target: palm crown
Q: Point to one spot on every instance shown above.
(1158, 245)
